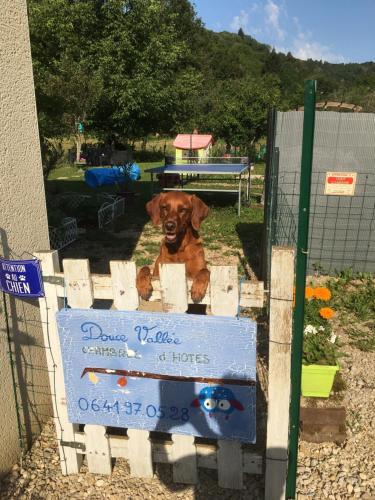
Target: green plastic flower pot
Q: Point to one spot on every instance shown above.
(317, 380)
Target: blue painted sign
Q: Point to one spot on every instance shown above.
(175, 373)
(21, 278)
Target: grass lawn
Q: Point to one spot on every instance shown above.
(228, 239)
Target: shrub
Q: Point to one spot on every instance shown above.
(144, 155)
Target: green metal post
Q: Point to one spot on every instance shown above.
(302, 252)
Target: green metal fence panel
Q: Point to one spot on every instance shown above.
(342, 228)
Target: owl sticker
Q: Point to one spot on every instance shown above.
(217, 400)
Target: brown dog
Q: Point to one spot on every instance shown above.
(181, 215)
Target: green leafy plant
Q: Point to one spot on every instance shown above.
(354, 295)
(52, 155)
(318, 269)
(363, 340)
(320, 344)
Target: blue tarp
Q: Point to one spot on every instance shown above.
(95, 177)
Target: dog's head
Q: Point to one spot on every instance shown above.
(176, 211)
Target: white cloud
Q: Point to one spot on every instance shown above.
(273, 12)
(240, 21)
(305, 48)
(255, 31)
(299, 41)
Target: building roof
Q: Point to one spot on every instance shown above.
(192, 141)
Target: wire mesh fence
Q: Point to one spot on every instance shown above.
(110, 211)
(65, 234)
(342, 228)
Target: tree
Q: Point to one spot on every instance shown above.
(239, 111)
(273, 63)
(148, 66)
(64, 39)
(129, 68)
(125, 67)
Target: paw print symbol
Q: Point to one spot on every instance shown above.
(7, 276)
(22, 277)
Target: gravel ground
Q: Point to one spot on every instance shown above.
(325, 470)
(39, 477)
(345, 471)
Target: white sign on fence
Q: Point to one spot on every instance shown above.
(340, 183)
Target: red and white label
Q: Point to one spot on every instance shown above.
(340, 183)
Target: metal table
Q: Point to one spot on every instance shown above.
(237, 170)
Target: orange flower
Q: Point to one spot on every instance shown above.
(309, 292)
(322, 293)
(326, 312)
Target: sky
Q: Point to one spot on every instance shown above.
(337, 31)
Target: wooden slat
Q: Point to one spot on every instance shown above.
(230, 465)
(173, 288)
(224, 290)
(78, 284)
(224, 302)
(252, 293)
(98, 452)
(174, 299)
(140, 456)
(162, 453)
(252, 463)
(103, 286)
(281, 309)
(184, 459)
(80, 295)
(125, 294)
(70, 461)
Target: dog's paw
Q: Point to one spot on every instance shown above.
(198, 290)
(144, 285)
(199, 286)
(145, 291)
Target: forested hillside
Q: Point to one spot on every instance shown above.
(354, 83)
(130, 68)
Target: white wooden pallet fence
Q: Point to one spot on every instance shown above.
(185, 453)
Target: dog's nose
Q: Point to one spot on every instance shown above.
(170, 226)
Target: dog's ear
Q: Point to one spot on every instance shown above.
(153, 209)
(200, 212)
